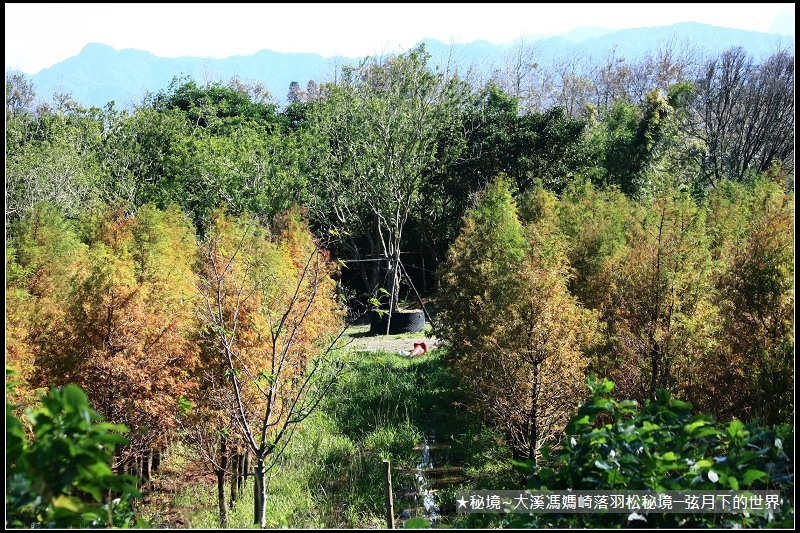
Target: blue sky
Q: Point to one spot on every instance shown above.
(41, 35)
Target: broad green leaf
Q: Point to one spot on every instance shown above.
(702, 463)
(576, 425)
(67, 503)
(734, 428)
(680, 404)
(649, 426)
(694, 425)
(669, 456)
(752, 475)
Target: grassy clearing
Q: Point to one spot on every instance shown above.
(332, 473)
(363, 330)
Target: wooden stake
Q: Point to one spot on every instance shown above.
(389, 502)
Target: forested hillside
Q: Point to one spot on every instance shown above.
(191, 263)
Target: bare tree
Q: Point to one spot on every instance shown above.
(519, 74)
(572, 86)
(271, 334)
(743, 115)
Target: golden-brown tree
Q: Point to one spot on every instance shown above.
(127, 336)
(663, 319)
(752, 365)
(517, 339)
(41, 257)
(268, 304)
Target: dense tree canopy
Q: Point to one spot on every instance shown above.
(180, 260)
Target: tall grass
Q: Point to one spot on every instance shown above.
(332, 473)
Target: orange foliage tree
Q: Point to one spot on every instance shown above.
(41, 257)
(662, 320)
(270, 315)
(127, 334)
(594, 223)
(753, 363)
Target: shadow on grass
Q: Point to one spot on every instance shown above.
(362, 334)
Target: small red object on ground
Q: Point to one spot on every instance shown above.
(419, 348)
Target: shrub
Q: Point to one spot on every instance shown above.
(62, 478)
(620, 445)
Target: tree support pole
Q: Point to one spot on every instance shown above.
(419, 299)
(389, 502)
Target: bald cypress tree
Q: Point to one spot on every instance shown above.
(516, 337)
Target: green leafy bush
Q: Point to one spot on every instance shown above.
(62, 477)
(620, 445)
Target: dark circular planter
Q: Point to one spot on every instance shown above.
(402, 322)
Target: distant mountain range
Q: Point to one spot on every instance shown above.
(100, 74)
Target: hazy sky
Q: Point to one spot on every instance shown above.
(41, 35)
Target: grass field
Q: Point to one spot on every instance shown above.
(332, 473)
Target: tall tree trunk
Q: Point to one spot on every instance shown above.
(394, 278)
(156, 459)
(122, 465)
(223, 506)
(234, 479)
(533, 415)
(138, 466)
(147, 464)
(245, 469)
(260, 494)
(655, 361)
(394, 285)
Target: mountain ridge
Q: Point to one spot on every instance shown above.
(100, 74)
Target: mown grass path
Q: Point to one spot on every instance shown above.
(387, 406)
(410, 411)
